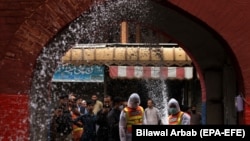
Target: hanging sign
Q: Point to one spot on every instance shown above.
(82, 73)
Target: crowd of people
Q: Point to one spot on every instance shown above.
(111, 119)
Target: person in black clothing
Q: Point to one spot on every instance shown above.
(113, 119)
(88, 121)
(62, 123)
(103, 130)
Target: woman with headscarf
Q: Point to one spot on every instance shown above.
(176, 116)
(130, 115)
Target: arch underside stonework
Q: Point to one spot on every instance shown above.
(40, 47)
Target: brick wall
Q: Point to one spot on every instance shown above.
(247, 110)
(27, 25)
(12, 14)
(14, 123)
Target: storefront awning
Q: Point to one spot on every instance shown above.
(145, 72)
(127, 54)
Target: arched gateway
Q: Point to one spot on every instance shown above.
(216, 59)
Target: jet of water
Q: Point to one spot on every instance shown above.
(93, 26)
(157, 90)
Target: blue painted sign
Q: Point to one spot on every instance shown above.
(71, 73)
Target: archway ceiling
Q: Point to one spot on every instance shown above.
(203, 47)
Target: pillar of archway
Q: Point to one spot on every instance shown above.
(220, 92)
(214, 103)
(230, 90)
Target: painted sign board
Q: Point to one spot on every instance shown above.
(82, 73)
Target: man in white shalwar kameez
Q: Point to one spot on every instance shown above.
(151, 114)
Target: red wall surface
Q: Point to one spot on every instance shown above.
(14, 123)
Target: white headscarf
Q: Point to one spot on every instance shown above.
(134, 100)
(173, 101)
(185, 117)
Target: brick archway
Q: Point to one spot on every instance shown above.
(40, 26)
(29, 40)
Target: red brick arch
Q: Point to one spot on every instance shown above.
(49, 17)
(230, 24)
(45, 21)
(42, 22)
(38, 28)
